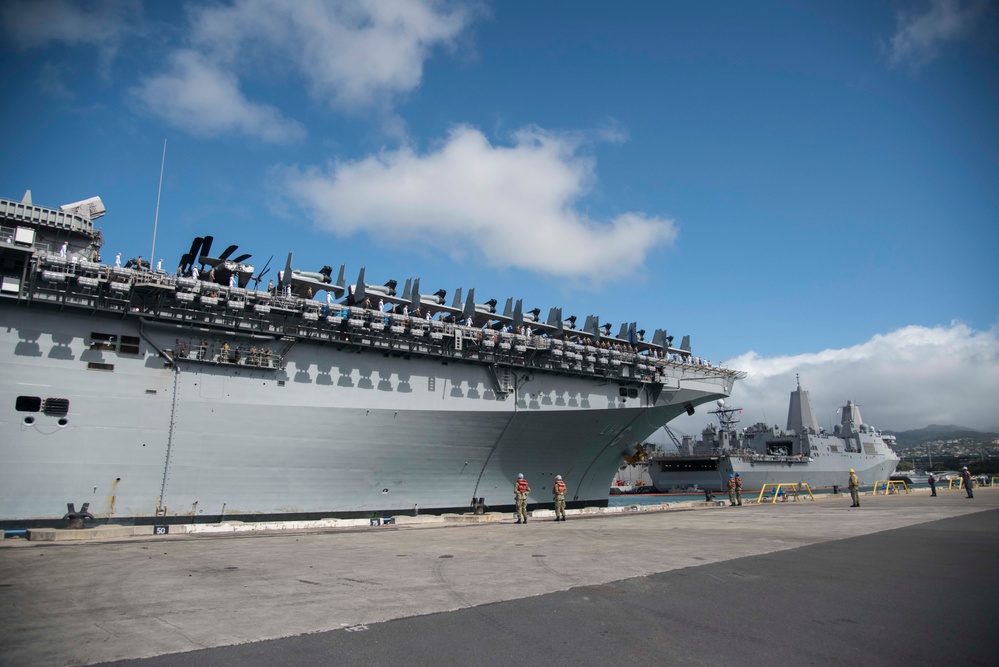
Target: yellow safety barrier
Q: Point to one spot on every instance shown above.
(974, 483)
(890, 484)
(793, 491)
(992, 482)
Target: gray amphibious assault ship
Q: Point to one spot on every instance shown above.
(161, 398)
(761, 454)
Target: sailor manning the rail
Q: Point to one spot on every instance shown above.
(558, 492)
(520, 493)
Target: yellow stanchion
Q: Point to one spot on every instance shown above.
(792, 490)
(974, 483)
(890, 484)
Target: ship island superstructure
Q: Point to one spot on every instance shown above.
(161, 398)
(763, 454)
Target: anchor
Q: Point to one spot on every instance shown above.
(75, 519)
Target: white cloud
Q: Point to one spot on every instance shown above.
(902, 380)
(206, 101)
(920, 36)
(512, 206)
(351, 55)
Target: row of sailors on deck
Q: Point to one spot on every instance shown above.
(252, 356)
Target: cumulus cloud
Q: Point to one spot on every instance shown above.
(511, 206)
(206, 100)
(920, 36)
(351, 55)
(902, 380)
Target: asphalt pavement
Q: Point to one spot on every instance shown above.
(901, 580)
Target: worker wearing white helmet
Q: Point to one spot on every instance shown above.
(520, 492)
(558, 493)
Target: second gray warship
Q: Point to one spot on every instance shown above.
(763, 454)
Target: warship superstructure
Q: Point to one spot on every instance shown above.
(763, 454)
(160, 397)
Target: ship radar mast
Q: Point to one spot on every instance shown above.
(726, 415)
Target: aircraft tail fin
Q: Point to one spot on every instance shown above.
(417, 300)
(285, 277)
(469, 311)
(359, 294)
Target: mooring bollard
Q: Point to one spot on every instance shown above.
(76, 519)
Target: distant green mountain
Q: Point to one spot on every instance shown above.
(918, 436)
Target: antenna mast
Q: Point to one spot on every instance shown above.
(156, 219)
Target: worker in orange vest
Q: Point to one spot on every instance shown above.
(520, 492)
(558, 492)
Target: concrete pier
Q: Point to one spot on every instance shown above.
(751, 584)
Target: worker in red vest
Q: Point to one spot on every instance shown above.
(558, 492)
(731, 490)
(520, 492)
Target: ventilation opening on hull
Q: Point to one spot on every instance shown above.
(56, 406)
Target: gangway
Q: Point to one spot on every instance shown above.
(792, 490)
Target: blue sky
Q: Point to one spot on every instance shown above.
(802, 187)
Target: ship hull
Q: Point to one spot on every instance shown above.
(335, 431)
(713, 472)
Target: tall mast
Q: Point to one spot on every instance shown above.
(156, 219)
